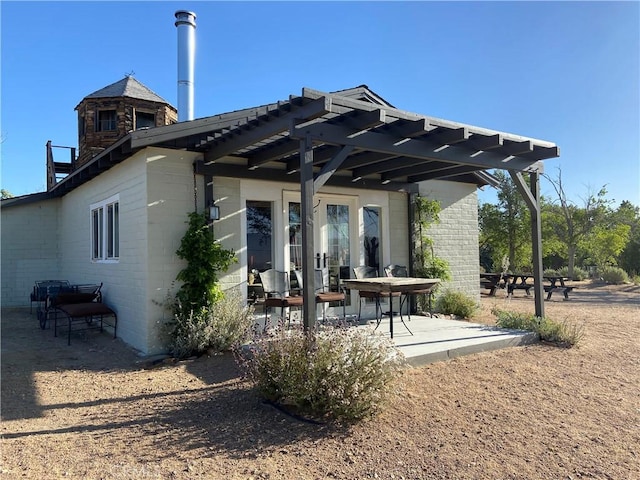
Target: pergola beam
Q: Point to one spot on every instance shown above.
(275, 152)
(442, 172)
(418, 148)
(386, 166)
(531, 195)
(330, 168)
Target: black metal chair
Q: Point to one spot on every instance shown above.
(275, 284)
(323, 293)
(362, 272)
(39, 293)
(401, 271)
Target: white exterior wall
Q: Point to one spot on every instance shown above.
(51, 239)
(456, 236)
(169, 200)
(29, 249)
(230, 230)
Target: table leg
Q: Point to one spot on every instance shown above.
(391, 314)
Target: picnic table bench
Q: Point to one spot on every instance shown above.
(556, 283)
(493, 281)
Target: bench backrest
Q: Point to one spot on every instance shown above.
(67, 298)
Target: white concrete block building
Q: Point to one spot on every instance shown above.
(343, 167)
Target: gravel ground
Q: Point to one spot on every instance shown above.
(94, 410)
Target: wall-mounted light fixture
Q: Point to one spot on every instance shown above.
(214, 212)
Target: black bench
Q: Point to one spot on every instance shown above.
(519, 286)
(549, 289)
(492, 282)
(552, 288)
(84, 308)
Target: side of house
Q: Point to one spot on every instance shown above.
(29, 247)
(148, 198)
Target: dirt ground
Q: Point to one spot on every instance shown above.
(94, 410)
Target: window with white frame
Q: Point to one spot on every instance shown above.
(105, 230)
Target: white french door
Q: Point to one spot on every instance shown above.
(335, 237)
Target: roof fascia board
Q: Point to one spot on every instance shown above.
(26, 199)
(122, 147)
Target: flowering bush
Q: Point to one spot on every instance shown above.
(342, 374)
(214, 327)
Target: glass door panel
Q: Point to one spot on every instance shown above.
(336, 242)
(332, 239)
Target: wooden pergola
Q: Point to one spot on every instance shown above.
(351, 138)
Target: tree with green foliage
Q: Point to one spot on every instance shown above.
(5, 194)
(505, 228)
(605, 243)
(567, 226)
(629, 257)
(205, 258)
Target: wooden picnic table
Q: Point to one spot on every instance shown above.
(493, 281)
(519, 281)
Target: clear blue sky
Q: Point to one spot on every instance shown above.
(565, 72)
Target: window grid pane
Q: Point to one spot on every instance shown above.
(116, 230)
(295, 236)
(109, 231)
(106, 121)
(259, 235)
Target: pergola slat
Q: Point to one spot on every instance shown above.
(314, 109)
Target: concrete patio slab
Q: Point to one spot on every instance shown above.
(438, 339)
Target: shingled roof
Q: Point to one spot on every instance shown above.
(127, 87)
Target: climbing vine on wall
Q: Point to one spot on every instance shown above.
(205, 259)
(427, 264)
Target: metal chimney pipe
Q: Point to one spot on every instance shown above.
(186, 24)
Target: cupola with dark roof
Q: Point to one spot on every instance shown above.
(110, 113)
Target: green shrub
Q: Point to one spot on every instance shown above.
(564, 334)
(515, 320)
(550, 272)
(214, 327)
(456, 303)
(561, 333)
(579, 274)
(340, 374)
(614, 275)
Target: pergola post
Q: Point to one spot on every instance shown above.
(306, 200)
(536, 236)
(531, 196)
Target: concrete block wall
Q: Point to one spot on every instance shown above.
(29, 249)
(456, 236)
(228, 230)
(123, 281)
(169, 200)
(156, 193)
